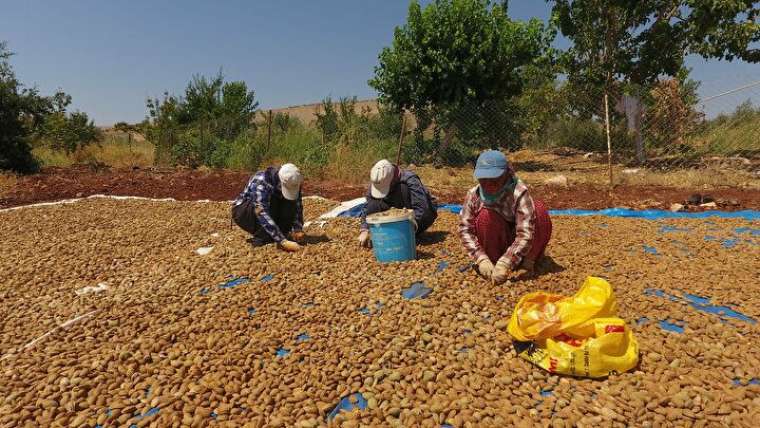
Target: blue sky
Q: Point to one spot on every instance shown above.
(110, 56)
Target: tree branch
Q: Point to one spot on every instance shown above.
(670, 14)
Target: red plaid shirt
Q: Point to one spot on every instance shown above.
(516, 207)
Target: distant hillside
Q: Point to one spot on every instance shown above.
(307, 113)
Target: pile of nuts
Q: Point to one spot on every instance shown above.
(163, 345)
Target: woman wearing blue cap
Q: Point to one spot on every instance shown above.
(502, 227)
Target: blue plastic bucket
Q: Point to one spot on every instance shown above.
(392, 237)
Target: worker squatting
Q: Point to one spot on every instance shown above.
(502, 227)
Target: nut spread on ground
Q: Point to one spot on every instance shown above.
(164, 345)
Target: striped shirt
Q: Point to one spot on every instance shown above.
(261, 188)
(516, 207)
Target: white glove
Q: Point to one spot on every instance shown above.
(500, 273)
(485, 268)
(289, 246)
(364, 239)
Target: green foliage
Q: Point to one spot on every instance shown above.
(724, 29)
(25, 114)
(342, 123)
(588, 135)
(731, 134)
(283, 123)
(457, 51)
(68, 132)
(200, 128)
(639, 41)
(542, 102)
(15, 103)
(459, 58)
(22, 110)
(327, 119)
(386, 123)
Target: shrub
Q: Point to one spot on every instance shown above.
(69, 132)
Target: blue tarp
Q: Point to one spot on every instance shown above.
(346, 405)
(353, 212)
(672, 327)
(453, 208)
(416, 291)
(234, 281)
(658, 214)
(609, 212)
(703, 304)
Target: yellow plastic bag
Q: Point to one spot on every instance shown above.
(579, 335)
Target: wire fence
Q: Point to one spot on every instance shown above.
(668, 128)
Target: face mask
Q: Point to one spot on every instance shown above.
(491, 198)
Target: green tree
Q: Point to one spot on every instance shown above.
(237, 107)
(162, 125)
(189, 130)
(460, 58)
(69, 131)
(327, 119)
(21, 111)
(638, 41)
(284, 123)
(386, 123)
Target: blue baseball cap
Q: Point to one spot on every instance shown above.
(491, 164)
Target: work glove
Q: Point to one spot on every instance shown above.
(364, 239)
(485, 268)
(298, 236)
(500, 273)
(289, 246)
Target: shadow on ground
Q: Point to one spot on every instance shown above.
(316, 239)
(432, 238)
(424, 255)
(546, 266)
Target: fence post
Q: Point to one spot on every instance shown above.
(401, 137)
(638, 118)
(269, 130)
(609, 140)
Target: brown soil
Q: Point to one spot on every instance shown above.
(63, 183)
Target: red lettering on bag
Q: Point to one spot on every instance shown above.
(552, 365)
(569, 340)
(614, 329)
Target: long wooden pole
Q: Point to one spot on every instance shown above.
(609, 140)
(269, 130)
(401, 137)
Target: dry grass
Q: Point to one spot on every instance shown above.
(351, 165)
(115, 152)
(7, 182)
(537, 167)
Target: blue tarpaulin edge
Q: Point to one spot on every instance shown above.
(658, 214)
(608, 212)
